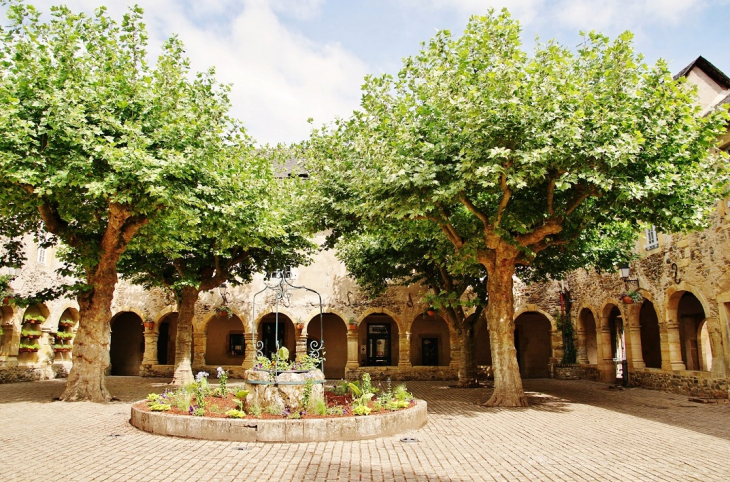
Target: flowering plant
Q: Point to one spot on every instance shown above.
(223, 380)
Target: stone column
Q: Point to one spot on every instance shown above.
(455, 344)
(714, 330)
(11, 339)
(301, 345)
(581, 348)
(250, 351)
(200, 340)
(674, 347)
(353, 350)
(606, 364)
(404, 350)
(633, 348)
(150, 348)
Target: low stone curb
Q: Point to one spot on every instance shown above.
(309, 430)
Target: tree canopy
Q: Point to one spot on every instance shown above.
(547, 161)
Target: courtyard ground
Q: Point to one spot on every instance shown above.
(573, 430)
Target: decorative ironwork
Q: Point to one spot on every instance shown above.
(279, 282)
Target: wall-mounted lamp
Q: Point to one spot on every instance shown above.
(625, 271)
(223, 290)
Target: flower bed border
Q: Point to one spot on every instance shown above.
(296, 431)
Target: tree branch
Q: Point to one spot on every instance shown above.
(470, 206)
(550, 195)
(507, 194)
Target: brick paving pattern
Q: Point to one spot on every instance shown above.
(573, 430)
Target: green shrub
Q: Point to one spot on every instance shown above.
(198, 411)
(336, 410)
(274, 409)
(159, 407)
(318, 406)
(233, 413)
(254, 410)
(361, 410)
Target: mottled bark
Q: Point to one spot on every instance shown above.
(184, 339)
(468, 361)
(508, 391)
(87, 379)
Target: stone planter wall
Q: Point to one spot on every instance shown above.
(26, 374)
(567, 372)
(308, 430)
(685, 382)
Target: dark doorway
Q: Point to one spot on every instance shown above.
(127, 344)
(430, 351)
(378, 344)
(270, 336)
(162, 343)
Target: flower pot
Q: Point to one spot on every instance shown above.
(627, 300)
(149, 325)
(66, 323)
(353, 327)
(300, 326)
(431, 312)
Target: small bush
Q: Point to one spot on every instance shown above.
(361, 410)
(159, 407)
(274, 409)
(336, 410)
(254, 410)
(233, 413)
(318, 406)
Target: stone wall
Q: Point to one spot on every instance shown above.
(403, 374)
(695, 384)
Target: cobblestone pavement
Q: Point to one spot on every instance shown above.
(573, 430)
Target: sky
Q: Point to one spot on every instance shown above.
(291, 60)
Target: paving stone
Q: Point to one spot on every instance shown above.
(573, 430)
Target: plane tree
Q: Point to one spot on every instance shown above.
(545, 154)
(96, 144)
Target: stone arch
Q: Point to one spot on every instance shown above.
(166, 329)
(587, 336)
(38, 309)
(312, 315)
(8, 327)
(202, 327)
(127, 343)
(533, 335)
(224, 340)
(649, 331)
(379, 331)
(71, 309)
(612, 342)
(687, 313)
(264, 313)
(536, 309)
(162, 314)
(142, 315)
(334, 336)
(430, 340)
(383, 311)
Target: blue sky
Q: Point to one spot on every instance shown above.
(289, 60)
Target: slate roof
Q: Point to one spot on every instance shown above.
(713, 72)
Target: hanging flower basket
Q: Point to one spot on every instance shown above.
(149, 325)
(66, 323)
(300, 326)
(353, 325)
(431, 312)
(631, 297)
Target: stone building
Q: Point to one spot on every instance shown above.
(675, 339)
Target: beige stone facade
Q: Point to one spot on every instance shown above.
(677, 339)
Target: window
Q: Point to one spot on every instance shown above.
(652, 240)
(40, 255)
(237, 345)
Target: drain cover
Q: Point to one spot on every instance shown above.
(240, 448)
(113, 435)
(409, 440)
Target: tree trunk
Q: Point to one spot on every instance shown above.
(508, 390)
(87, 379)
(468, 362)
(184, 338)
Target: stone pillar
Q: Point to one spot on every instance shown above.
(150, 348)
(455, 344)
(404, 350)
(200, 340)
(11, 339)
(633, 348)
(581, 348)
(250, 351)
(557, 348)
(353, 350)
(674, 347)
(606, 364)
(714, 330)
(301, 345)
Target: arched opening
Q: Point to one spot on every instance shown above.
(532, 341)
(430, 341)
(618, 341)
(379, 334)
(225, 344)
(482, 348)
(127, 344)
(63, 339)
(334, 334)
(690, 316)
(651, 350)
(167, 334)
(6, 328)
(588, 336)
(269, 334)
(31, 333)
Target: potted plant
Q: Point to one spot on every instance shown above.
(28, 347)
(430, 311)
(66, 323)
(224, 310)
(352, 323)
(631, 297)
(300, 325)
(149, 325)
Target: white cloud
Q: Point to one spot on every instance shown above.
(280, 78)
